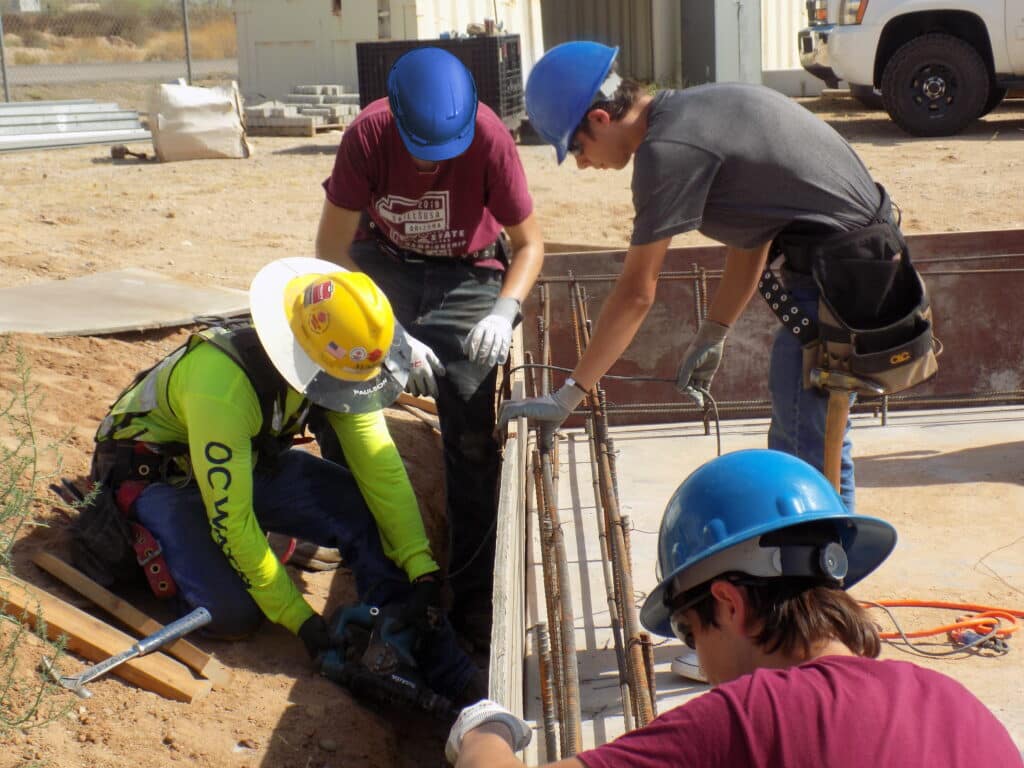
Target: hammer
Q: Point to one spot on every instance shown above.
(194, 620)
(839, 386)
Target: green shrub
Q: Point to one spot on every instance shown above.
(26, 698)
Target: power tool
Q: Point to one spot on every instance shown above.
(376, 664)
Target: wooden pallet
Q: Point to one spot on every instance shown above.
(293, 130)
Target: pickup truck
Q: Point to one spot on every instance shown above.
(939, 64)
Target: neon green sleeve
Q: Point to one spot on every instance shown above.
(374, 460)
(221, 413)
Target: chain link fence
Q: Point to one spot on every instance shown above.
(112, 50)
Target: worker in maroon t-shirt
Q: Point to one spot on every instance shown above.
(755, 553)
(423, 185)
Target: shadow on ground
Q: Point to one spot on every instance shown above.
(998, 463)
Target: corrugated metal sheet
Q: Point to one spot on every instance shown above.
(50, 124)
(780, 22)
(626, 23)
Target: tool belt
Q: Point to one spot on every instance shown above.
(874, 317)
(498, 250)
(107, 543)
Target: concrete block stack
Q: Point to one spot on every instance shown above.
(303, 112)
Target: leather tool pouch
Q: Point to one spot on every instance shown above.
(874, 318)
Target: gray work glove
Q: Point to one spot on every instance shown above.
(425, 366)
(701, 360)
(546, 412)
(488, 343)
(486, 711)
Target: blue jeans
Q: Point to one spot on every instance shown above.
(798, 414)
(308, 498)
(439, 303)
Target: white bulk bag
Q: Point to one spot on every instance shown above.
(191, 123)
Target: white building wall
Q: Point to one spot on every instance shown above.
(781, 20)
(738, 41)
(283, 43)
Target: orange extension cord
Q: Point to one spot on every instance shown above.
(988, 622)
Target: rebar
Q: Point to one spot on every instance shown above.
(648, 650)
(571, 716)
(639, 687)
(610, 585)
(550, 579)
(546, 694)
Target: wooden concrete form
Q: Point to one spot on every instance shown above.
(509, 599)
(91, 638)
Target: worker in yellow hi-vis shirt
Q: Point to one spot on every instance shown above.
(196, 464)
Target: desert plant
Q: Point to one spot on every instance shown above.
(25, 697)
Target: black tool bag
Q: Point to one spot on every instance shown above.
(101, 542)
(874, 318)
(875, 321)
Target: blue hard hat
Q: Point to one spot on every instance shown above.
(764, 513)
(562, 86)
(433, 99)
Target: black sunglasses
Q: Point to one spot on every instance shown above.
(681, 629)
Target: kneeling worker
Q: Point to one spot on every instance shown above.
(756, 551)
(197, 454)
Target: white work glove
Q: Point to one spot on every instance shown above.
(487, 344)
(425, 366)
(486, 711)
(547, 412)
(701, 360)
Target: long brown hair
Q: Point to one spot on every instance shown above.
(799, 614)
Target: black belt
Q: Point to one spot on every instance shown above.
(801, 248)
(414, 257)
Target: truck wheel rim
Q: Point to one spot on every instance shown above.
(933, 89)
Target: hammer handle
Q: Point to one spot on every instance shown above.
(197, 618)
(836, 418)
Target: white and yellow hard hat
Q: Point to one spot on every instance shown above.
(331, 334)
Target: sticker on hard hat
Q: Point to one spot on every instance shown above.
(318, 321)
(358, 354)
(374, 356)
(338, 353)
(318, 292)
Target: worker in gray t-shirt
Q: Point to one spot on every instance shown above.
(740, 163)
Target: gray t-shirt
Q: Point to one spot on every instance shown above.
(740, 163)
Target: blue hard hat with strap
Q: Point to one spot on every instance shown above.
(766, 514)
(433, 98)
(562, 86)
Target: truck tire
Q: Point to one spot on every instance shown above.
(867, 96)
(935, 85)
(995, 98)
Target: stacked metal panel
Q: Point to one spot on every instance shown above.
(51, 124)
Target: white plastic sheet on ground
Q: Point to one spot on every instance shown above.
(193, 123)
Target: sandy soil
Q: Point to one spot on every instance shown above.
(74, 212)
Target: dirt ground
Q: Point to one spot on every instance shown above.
(73, 212)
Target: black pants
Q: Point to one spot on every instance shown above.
(439, 303)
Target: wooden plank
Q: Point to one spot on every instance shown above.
(132, 617)
(417, 402)
(508, 625)
(89, 637)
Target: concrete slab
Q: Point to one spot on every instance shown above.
(112, 302)
(952, 482)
